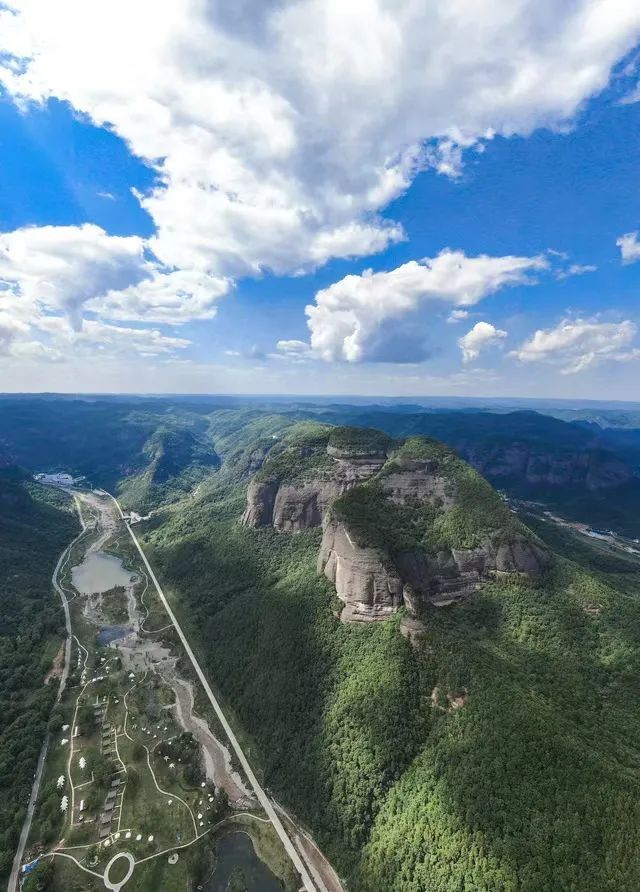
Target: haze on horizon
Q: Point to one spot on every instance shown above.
(374, 199)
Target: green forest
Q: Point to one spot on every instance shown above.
(499, 753)
(503, 753)
(36, 524)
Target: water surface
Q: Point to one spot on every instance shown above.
(111, 633)
(236, 850)
(99, 572)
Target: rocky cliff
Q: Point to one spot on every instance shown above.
(294, 502)
(409, 524)
(596, 470)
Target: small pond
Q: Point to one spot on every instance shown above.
(99, 572)
(235, 850)
(111, 633)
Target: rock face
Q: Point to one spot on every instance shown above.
(519, 461)
(369, 589)
(293, 507)
(372, 586)
(375, 580)
(418, 481)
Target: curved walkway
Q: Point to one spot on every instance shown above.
(35, 789)
(262, 797)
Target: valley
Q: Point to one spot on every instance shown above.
(140, 786)
(364, 651)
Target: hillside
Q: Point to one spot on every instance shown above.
(149, 451)
(35, 525)
(582, 470)
(498, 749)
(153, 450)
(404, 522)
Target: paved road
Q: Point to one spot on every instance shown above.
(35, 789)
(262, 797)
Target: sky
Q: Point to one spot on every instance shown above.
(392, 198)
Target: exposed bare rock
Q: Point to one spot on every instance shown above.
(369, 506)
(373, 586)
(299, 507)
(596, 470)
(413, 629)
(261, 496)
(369, 589)
(418, 481)
(294, 506)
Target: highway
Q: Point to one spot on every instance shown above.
(261, 795)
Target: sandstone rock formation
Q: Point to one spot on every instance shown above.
(369, 589)
(291, 507)
(372, 585)
(375, 579)
(520, 461)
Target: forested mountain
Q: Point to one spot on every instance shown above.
(445, 695)
(498, 749)
(35, 525)
(152, 449)
(590, 473)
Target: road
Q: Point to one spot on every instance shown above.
(35, 789)
(262, 797)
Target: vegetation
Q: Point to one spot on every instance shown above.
(500, 755)
(35, 526)
(359, 440)
(477, 514)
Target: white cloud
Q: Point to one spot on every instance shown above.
(294, 349)
(629, 247)
(576, 269)
(61, 267)
(168, 297)
(349, 316)
(632, 97)
(96, 339)
(280, 130)
(580, 344)
(10, 329)
(479, 338)
(456, 316)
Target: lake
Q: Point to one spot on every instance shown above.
(99, 572)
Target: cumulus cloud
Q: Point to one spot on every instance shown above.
(51, 275)
(350, 317)
(61, 267)
(279, 132)
(479, 338)
(97, 338)
(175, 296)
(577, 345)
(629, 247)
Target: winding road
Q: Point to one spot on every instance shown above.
(311, 879)
(35, 789)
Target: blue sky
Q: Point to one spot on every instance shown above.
(166, 232)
